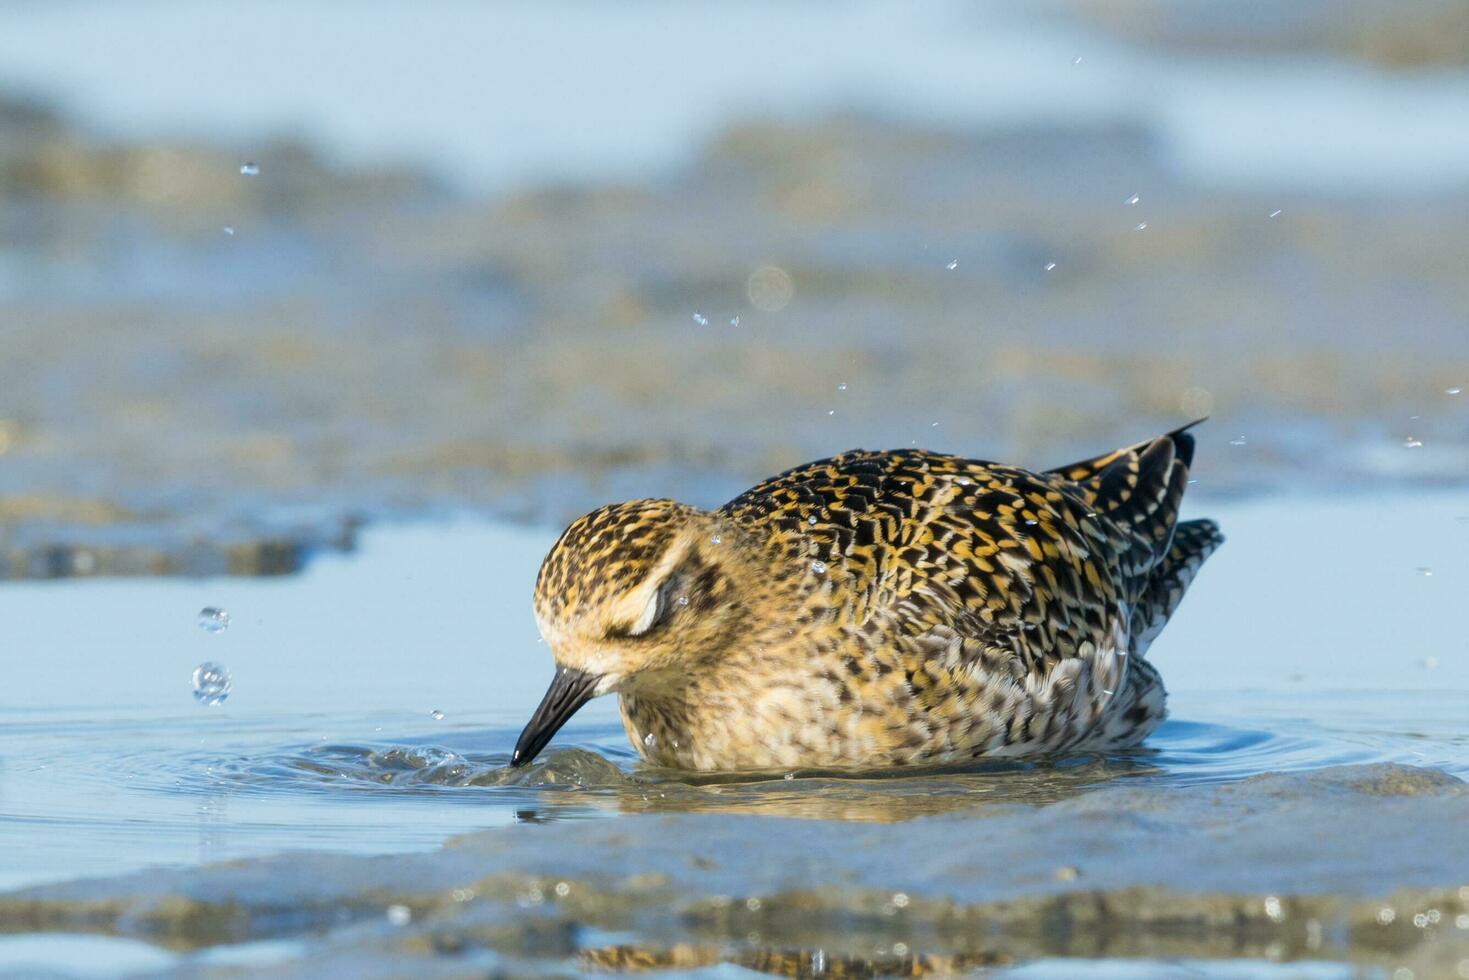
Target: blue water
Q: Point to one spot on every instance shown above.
(1305, 642)
(570, 89)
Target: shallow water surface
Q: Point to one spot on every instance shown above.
(1268, 122)
(376, 697)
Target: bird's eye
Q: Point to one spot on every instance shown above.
(651, 614)
(660, 607)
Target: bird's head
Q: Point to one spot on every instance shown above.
(629, 598)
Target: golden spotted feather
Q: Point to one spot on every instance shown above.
(878, 609)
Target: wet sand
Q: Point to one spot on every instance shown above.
(1363, 864)
(175, 400)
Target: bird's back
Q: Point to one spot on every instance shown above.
(978, 608)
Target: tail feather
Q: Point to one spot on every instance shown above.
(1139, 489)
(1083, 470)
(1193, 542)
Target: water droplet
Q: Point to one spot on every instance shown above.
(933, 425)
(1134, 199)
(842, 386)
(952, 265)
(770, 289)
(1237, 441)
(649, 739)
(562, 889)
(811, 519)
(1050, 267)
(1276, 213)
(1077, 60)
(1140, 226)
(682, 600)
(249, 169)
(701, 319)
(436, 715)
(229, 230)
(1031, 523)
(400, 915)
(734, 321)
(1273, 909)
(1412, 442)
(831, 411)
(1455, 390)
(211, 683)
(212, 619)
(819, 567)
(1424, 570)
(715, 539)
(900, 899)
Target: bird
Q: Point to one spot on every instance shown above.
(877, 610)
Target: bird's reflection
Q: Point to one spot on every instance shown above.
(784, 962)
(880, 797)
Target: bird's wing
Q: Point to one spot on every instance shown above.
(919, 544)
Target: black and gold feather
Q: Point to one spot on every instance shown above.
(896, 607)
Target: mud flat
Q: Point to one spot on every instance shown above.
(1360, 864)
(362, 343)
(1415, 35)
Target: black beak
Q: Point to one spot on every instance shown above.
(569, 690)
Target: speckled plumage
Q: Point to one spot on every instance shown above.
(880, 609)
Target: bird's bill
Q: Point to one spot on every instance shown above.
(569, 690)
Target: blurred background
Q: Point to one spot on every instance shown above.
(454, 272)
(270, 269)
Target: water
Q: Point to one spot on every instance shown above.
(172, 66)
(211, 683)
(339, 729)
(212, 620)
(1302, 645)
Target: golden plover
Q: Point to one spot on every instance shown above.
(877, 609)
